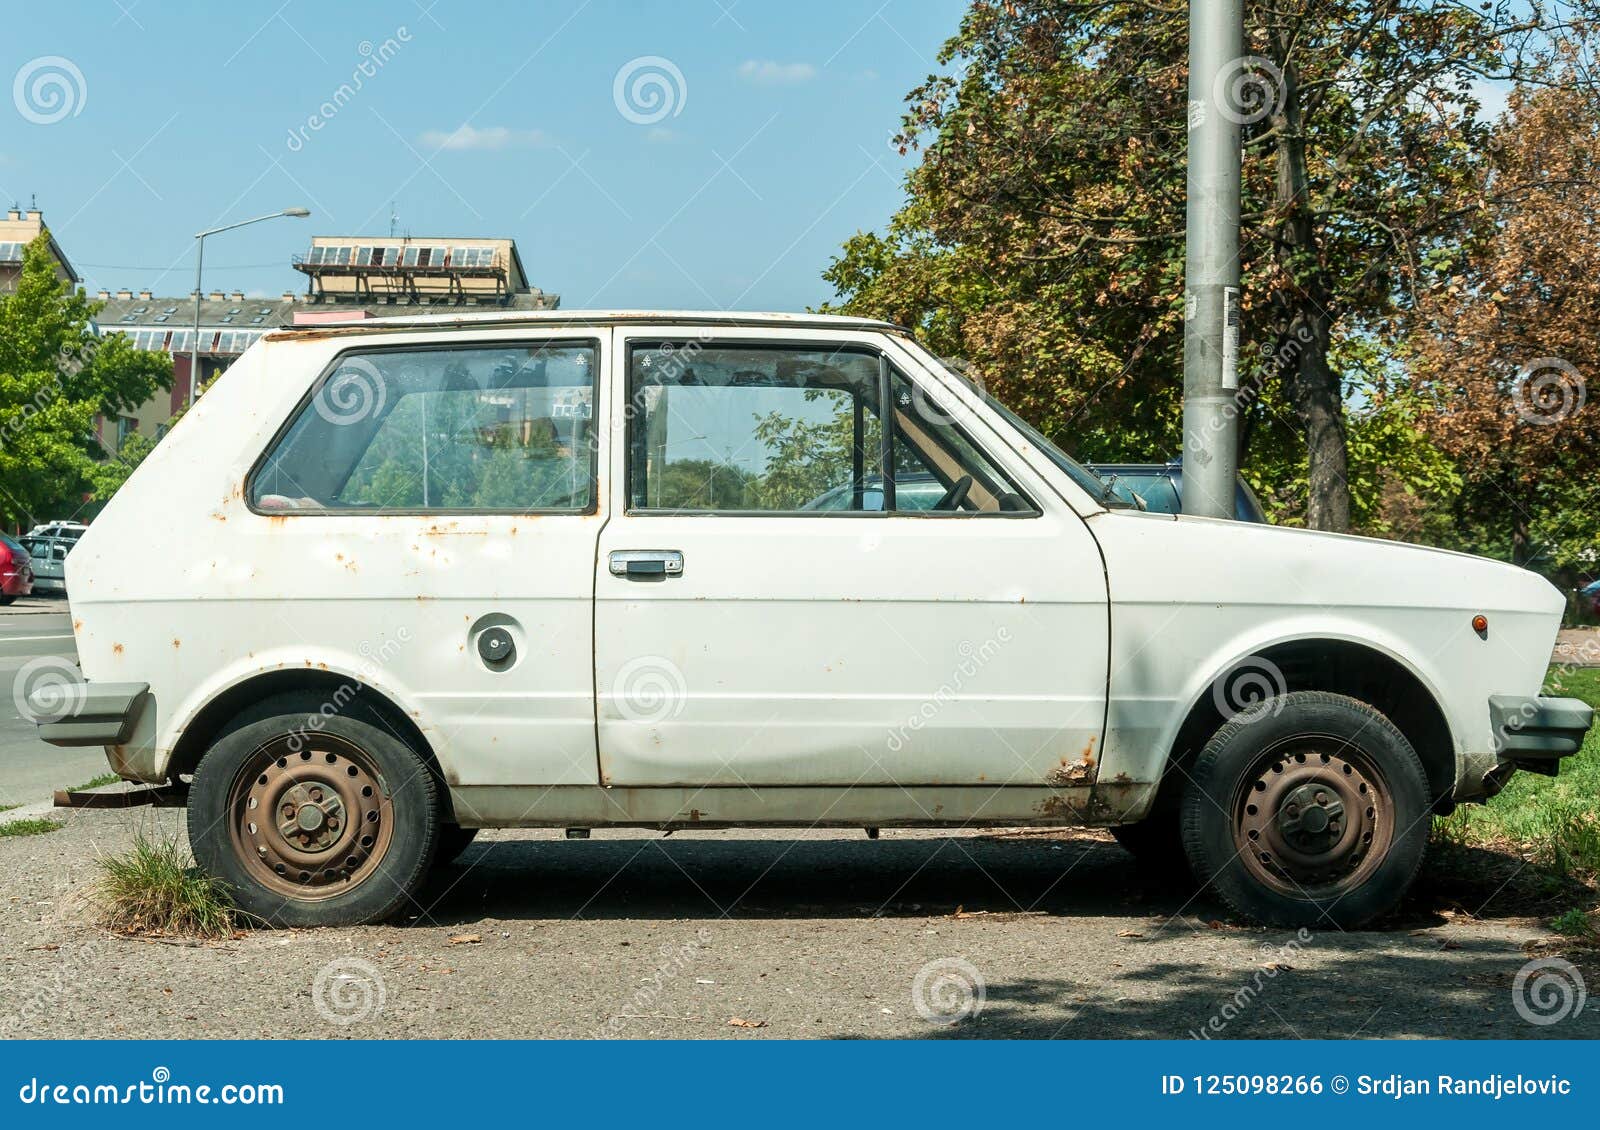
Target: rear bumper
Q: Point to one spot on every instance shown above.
(16, 583)
(1536, 733)
(77, 714)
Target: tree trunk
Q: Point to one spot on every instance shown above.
(1304, 303)
(1318, 404)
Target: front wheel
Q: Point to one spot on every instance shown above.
(313, 819)
(1309, 808)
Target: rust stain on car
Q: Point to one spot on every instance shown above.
(116, 649)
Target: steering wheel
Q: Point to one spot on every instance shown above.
(956, 495)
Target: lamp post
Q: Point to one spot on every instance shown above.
(199, 263)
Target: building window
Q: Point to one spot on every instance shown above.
(126, 426)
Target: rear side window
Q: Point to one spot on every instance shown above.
(13, 546)
(500, 429)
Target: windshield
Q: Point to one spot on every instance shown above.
(1079, 474)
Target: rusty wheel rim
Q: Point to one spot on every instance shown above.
(310, 817)
(1313, 819)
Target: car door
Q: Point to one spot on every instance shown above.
(431, 511)
(747, 635)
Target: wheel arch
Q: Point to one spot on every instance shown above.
(1349, 667)
(343, 693)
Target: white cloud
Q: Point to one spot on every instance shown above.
(489, 137)
(770, 72)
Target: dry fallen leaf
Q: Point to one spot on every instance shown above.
(1277, 967)
(465, 939)
(741, 1022)
(1129, 934)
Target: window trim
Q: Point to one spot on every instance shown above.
(887, 369)
(597, 350)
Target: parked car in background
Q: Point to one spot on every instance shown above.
(1160, 487)
(16, 571)
(578, 569)
(1589, 597)
(48, 544)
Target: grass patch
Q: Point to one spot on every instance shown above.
(35, 827)
(1550, 821)
(1573, 923)
(99, 782)
(156, 889)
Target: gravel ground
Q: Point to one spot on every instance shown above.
(634, 935)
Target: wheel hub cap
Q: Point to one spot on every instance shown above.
(1310, 821)
(310, 823)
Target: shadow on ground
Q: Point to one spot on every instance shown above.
(1183, 962)
(1062, 874)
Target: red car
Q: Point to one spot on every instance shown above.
(16, 570)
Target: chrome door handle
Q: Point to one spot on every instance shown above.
(645, 563)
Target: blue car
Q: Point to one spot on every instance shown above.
(1160, 487)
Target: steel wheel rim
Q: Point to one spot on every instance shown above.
(310, 817)
(1313, 818)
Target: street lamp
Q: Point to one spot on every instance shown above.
(199, 262)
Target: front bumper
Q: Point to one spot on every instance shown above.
(74, 714)
(1536, 733)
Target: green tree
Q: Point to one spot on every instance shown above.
(56, 375)
(1043, 235)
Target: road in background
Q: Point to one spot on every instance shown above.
(32, 629)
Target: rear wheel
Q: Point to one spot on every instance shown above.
(6, 598)
(1308, 808)
(314, 819)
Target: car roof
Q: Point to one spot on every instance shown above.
(495, 319)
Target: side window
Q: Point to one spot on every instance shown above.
(752, 428)
(489, 428)
(776, 429)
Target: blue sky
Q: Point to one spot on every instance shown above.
(488, 119)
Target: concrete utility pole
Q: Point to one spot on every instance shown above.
(1211, 269)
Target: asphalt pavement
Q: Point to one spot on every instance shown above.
(35, 640)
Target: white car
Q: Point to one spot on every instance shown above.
(561, 569)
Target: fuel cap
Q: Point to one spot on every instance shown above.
(495, 647)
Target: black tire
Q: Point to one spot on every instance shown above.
(1303, 755)
(453, 840)
(369, 878)
(6, 599)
